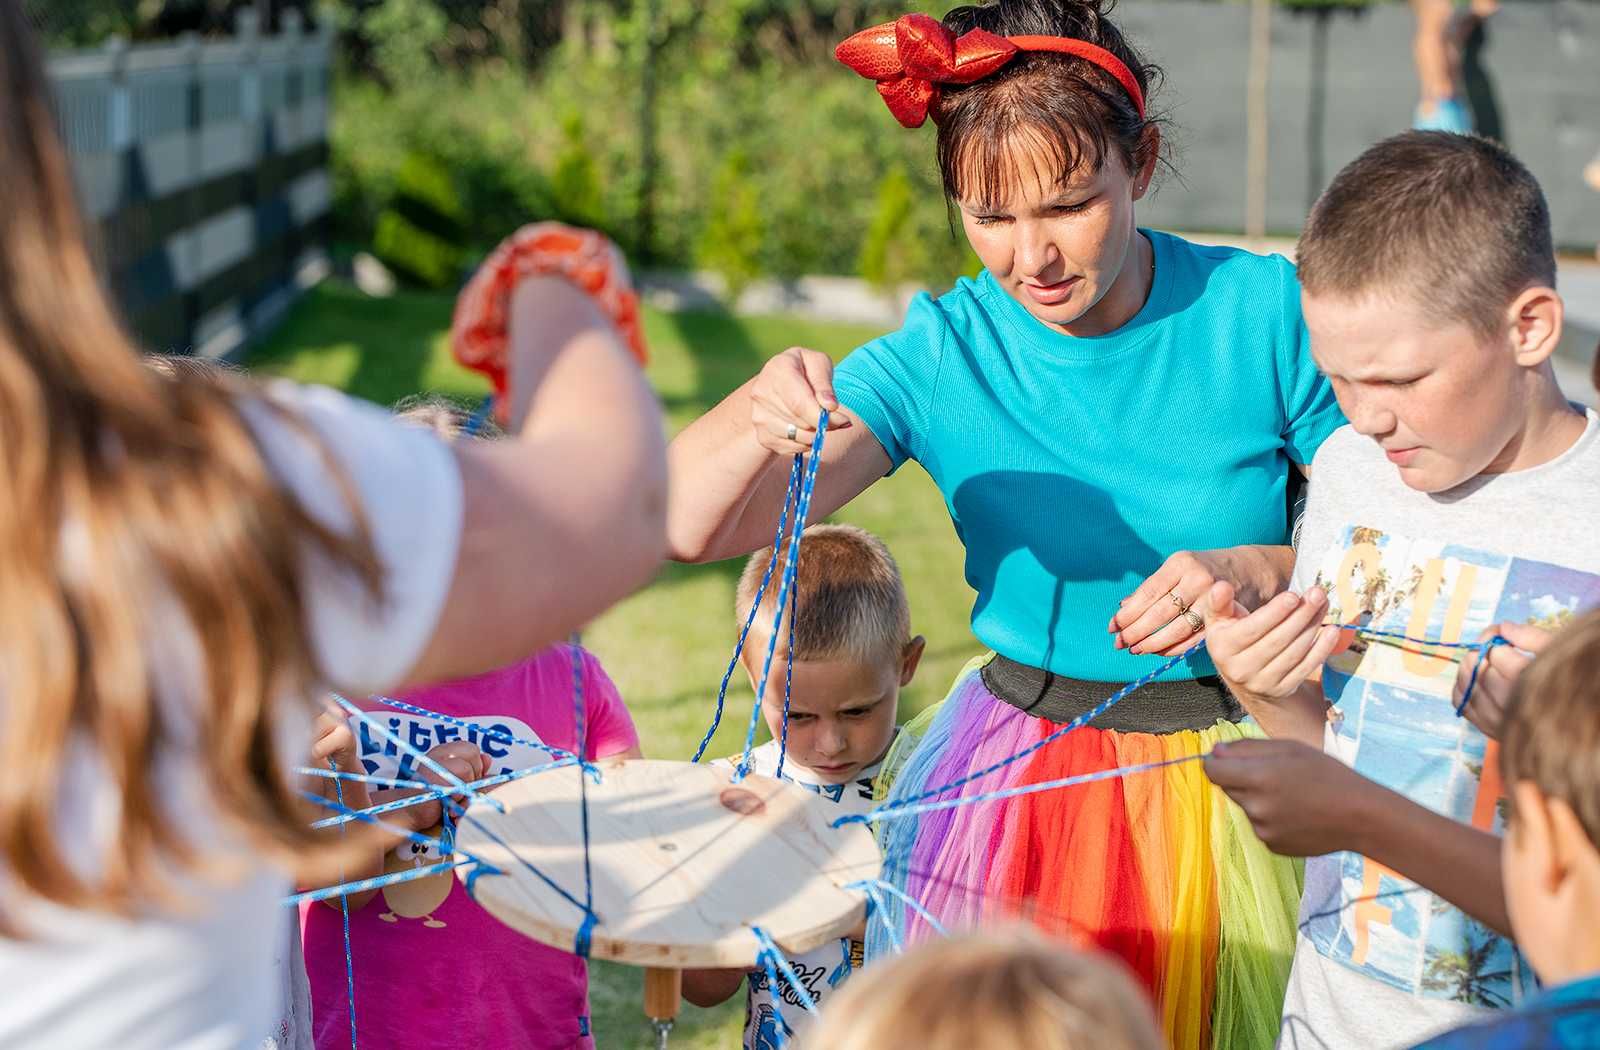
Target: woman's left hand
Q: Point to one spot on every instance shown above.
(1166, 615)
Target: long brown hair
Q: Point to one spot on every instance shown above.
(140, 531)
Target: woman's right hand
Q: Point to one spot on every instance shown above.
(793, 389)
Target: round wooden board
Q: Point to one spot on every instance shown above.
(684, 862)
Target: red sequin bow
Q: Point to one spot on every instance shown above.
(478, 332)
(913, 55)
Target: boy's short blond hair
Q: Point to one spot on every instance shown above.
(852, 601)
(1551, 732)
(1001, 990)
(1454, 223)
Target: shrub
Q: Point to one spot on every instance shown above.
(419, 234)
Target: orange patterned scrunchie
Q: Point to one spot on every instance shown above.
(478, 332)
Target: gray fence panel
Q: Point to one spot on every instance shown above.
(206, 167)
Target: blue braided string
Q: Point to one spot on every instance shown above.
(394, 829)
(870, 888)
(585, 933)
(791, 570)
(1088, 716)
(1472, 679)
(790, 496)
(1105, 705)
(433, 793)
(339, 774)
(772, 960)
(444, 774)
(466, 816)
(344, 889)
(788, 685)
(873, 887)
(344, 910)
(898, 812)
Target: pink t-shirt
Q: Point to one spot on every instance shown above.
(432, 968)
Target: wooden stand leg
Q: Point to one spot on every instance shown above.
(663, 991)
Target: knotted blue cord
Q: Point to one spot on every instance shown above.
(772, 960)
(788, 685)
(362, 778)
(377, 882)
(898, 812)
(791, 570)
(790, 496)
(873, 887)
(434, 793)
(344, 911)
(911, 805)
(585, 933)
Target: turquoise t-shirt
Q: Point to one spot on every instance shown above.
(1073, 467)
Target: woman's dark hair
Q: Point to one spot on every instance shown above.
(1073, 111)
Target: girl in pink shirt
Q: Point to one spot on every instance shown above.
(431, 967)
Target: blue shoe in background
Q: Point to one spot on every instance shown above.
(1448, 115)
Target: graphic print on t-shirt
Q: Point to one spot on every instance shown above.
(505, 740)
(1394, 721)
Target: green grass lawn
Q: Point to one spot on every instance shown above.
(668, 645)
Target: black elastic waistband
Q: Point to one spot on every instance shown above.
(1160, 707)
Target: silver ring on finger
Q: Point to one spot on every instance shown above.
(1196, 624)
(792, 432)
(1183, 606)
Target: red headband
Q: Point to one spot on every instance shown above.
(911, 56)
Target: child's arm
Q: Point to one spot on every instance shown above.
(1303, 803)
(1270, 659)
(707, 988)
(336, 745)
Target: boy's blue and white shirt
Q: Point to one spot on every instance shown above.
(823, 969)
(1381, 961)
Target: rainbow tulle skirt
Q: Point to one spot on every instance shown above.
(1158, 868)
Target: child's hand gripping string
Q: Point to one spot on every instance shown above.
(1501, 666)
(1304, 803)
(1300, 801)
(1270, 658)
(461, 758)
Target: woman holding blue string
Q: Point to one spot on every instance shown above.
(1100, 397)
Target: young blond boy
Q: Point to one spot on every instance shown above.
(1460, 501)
(854, 652)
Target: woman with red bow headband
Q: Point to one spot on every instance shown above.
(1100, 397)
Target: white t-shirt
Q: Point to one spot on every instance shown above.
(822, 969)
(1381, 962)
(203, 977)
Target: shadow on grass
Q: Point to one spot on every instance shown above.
(724, 355)
(394, 342)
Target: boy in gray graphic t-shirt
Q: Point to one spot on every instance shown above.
(1460, 503)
